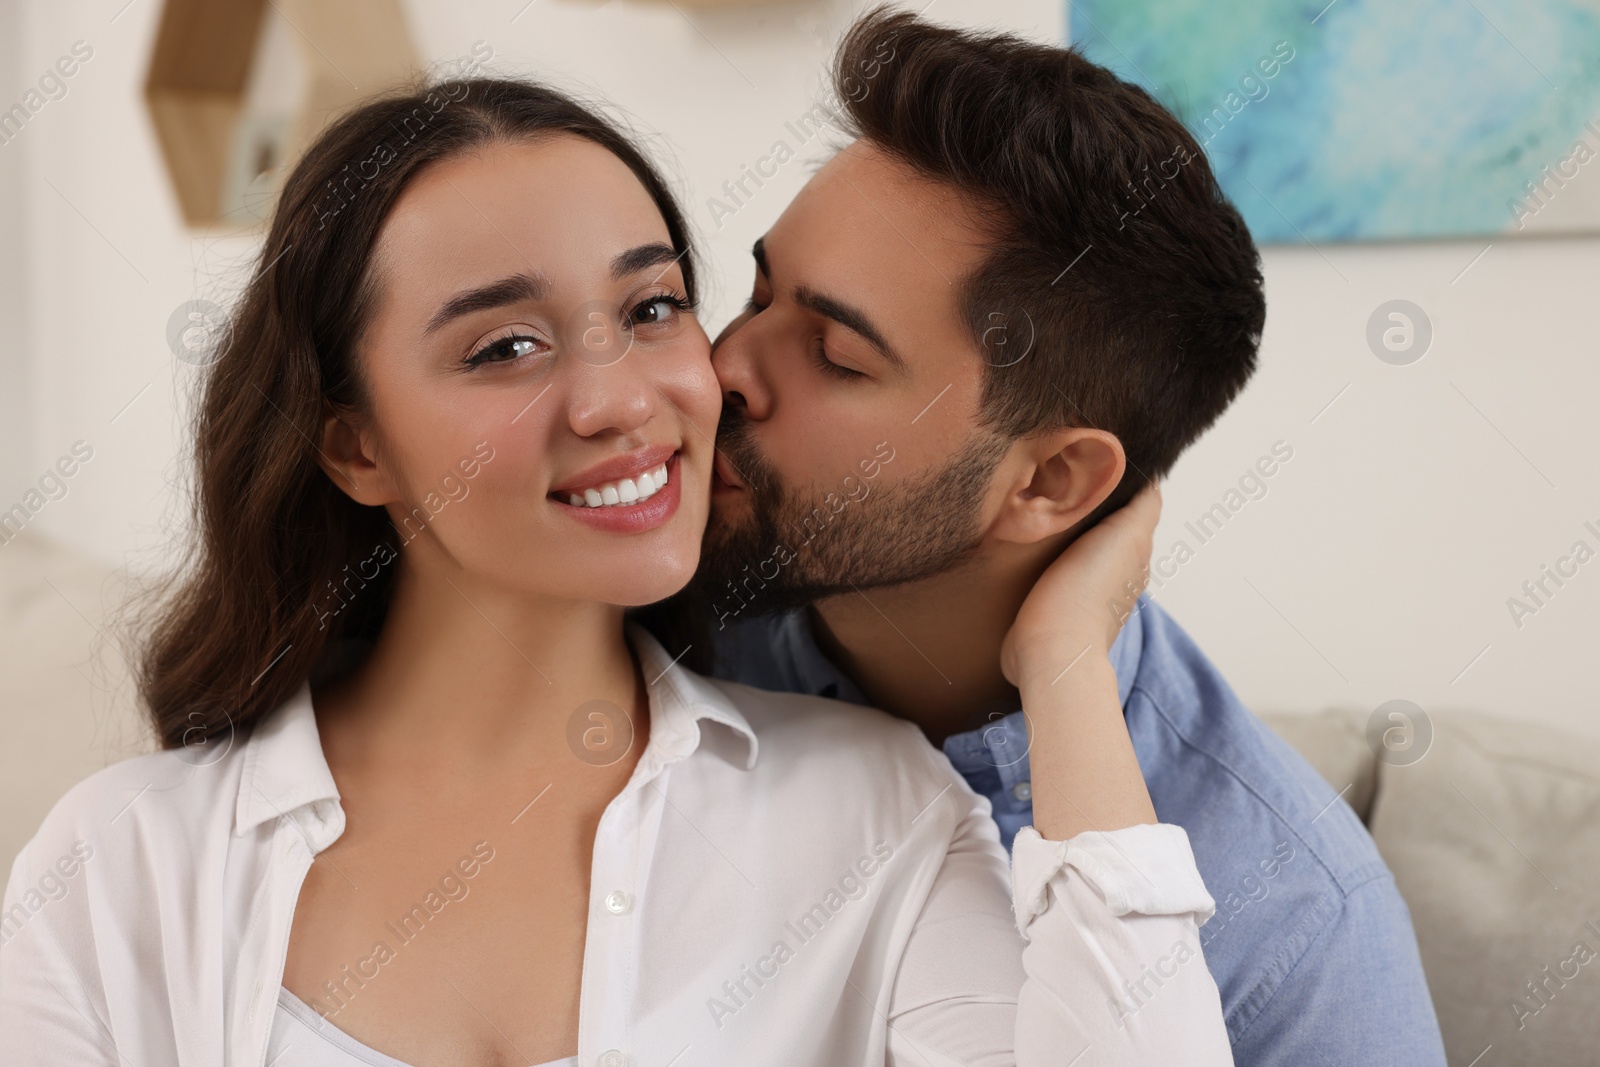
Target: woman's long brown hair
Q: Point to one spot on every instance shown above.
(248, 622)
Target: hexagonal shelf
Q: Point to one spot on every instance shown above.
(237, 88)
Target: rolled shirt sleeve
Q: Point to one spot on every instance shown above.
(1104, 966)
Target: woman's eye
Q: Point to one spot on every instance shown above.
(656, 310)
(504, 350)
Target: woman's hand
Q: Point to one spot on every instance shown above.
(1081, 601)
(1085, 772)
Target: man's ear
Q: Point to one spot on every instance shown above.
(1057, 479)
(349, 458)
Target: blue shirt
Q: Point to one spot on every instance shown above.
(1311, 945)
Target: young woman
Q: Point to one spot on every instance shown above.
(426, 799)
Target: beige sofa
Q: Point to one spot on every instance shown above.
(66, 708)
(1493, 835)
(1494, 839)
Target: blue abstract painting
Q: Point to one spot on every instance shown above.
(1376, 119)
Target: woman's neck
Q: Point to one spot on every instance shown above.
(467, 675)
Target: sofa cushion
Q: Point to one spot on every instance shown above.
(66, 706)
(1494, 840)
(1334, 744)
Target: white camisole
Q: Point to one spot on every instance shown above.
(302, 1038)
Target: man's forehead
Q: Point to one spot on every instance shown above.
(885, 252)
(874, 206)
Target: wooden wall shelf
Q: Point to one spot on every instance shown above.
(225, 161)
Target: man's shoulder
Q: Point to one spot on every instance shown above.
(1300, 887)
(1211, 762)
(755, 651)
(778, 652)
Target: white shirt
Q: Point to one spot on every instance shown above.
(783, 878)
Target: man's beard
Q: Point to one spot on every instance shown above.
(865, 533)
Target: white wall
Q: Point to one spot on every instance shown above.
(1418, 502)
(15, 411)
(1377, 566)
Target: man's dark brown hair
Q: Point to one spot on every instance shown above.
(1118, 268)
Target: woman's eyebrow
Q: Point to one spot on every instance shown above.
(518, 288)
(526, 288)
(637, 259)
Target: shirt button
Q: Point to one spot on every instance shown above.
(612, 1058)
(1022, 790)
(618, 903)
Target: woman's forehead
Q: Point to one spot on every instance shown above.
(558, 205)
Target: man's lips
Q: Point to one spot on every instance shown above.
(726, 477)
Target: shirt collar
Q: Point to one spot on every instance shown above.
(1127, 651)
(994, 757)
(285, 769)
(815, 671)
(679, 699)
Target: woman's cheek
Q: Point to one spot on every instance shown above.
(704, 395)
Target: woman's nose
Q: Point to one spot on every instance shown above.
(617, 397)
(612, 389)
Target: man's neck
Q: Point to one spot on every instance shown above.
(929, 651)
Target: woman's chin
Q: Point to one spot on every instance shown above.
(660, 580)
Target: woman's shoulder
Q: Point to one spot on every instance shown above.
(158, 800)
(114, 843)
(790, 719)
(844, 754)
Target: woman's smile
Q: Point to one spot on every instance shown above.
(631, 494)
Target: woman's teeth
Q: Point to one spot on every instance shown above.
(627, 491)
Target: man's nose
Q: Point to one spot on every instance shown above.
(736, 358)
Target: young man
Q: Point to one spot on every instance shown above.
(1008, 305)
